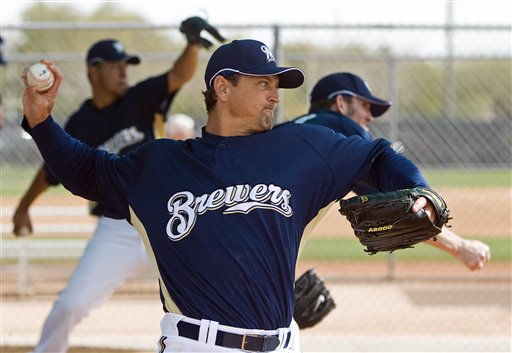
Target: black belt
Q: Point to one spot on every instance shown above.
(252, 343)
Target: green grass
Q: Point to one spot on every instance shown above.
(347, 249)
(351, 249)
(43, 261)
(468, 178)
(15, 180)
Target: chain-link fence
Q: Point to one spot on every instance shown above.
(451, 101)
(451, 93)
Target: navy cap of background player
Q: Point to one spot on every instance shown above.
(252, 58)
(2, 61)
(347, 84)
(109, 50)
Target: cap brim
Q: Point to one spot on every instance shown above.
(378, 110)
(132, 59)
(379, 106)
(289, 77)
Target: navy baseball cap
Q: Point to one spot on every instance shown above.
(347, 84)
(109, 50)
(252, 58)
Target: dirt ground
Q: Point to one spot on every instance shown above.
(478, 212)
(371, 316)
(26, 349)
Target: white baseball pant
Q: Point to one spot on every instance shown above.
(114, 252)
(172, 340)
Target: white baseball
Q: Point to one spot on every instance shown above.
(40, 76)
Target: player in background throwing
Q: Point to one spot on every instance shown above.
(117, 118)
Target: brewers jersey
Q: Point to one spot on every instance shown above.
(222, 218)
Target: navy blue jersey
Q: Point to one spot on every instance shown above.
(223, 217)
(344, 125)
(123, 125)
(336, 121)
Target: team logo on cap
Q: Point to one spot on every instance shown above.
(268, 53)
(118, 47)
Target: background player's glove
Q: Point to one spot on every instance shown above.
(312, 300)
(192, 28)
(385, 221)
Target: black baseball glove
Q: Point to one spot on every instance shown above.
(192, 28)
(385, 221)
(312, 300)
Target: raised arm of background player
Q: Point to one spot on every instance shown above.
(180, 73)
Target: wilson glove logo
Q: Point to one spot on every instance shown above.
(433, 195)
(380, 229)
(184, 207)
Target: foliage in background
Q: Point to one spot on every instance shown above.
(467, 127)
(479, 94)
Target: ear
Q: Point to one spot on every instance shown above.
(92, 68)
(92, 72)
(221, 87)
(339, 105)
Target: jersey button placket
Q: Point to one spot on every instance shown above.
(226, 157)
(220, 155)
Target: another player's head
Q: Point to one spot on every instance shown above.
(180, 127)
(107, 61)
(2, 61)
(348, 94)
(242, 80)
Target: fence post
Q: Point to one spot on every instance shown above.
(394, 136)
(391, 266)
(449, 80)
(277, 51)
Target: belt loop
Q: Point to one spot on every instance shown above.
(288, 336)
(203, 331)
(212, 332)
(282, 337)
